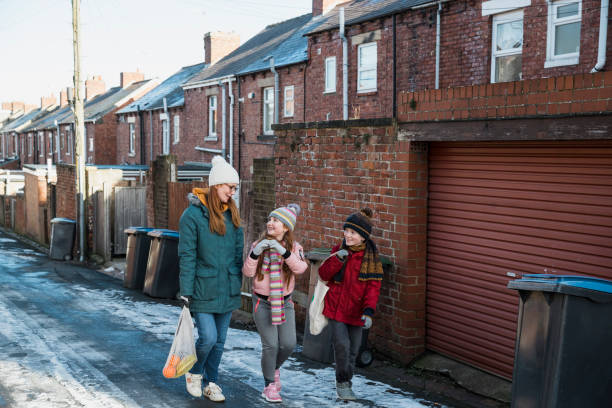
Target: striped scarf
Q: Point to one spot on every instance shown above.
(272, 263)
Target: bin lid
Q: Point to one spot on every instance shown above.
(585, 286)
(138, 230)
(62, 220)
(164, 233)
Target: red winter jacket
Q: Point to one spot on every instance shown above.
(348, 300)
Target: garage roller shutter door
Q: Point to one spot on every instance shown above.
(499, 208)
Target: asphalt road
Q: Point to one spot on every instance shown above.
(61, 351)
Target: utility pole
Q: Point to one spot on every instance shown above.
(79, 127)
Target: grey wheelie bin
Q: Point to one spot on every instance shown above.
(136, 257)
(563, 352)
(62, 238)
(162, 277)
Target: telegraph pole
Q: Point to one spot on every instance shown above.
(79, 127)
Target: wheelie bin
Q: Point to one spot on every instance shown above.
(563, 352)
(162, 277)
(136, 257)
(62, 238)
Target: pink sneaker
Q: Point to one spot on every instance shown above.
(270, 394)
(277, 380)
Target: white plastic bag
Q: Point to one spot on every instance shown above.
(315, 310)
(182, 354)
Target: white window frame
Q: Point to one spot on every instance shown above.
(68, 142)
(372, 66)
(289, 108)
(268, 110)
(30, 145)
(50, 136)
(553, 60)
(500, 19)
(15, 147)
(132, 141)
(212, 117)
(330, 75)
(177, 129)
(41, 144)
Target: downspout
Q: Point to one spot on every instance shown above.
(167, 126)
(142, 135)
(394, 68)
(223, 114)
(344, 67)
(276, 89)
(57, 141)
(603, 36)
(231, 123)
(239, 122)
(438, 45)
(151, 137)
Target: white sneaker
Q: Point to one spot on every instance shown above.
(194, 384)
(213, 392)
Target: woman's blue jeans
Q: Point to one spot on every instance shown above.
(212, 331)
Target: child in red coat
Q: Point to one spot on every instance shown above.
(354, 276)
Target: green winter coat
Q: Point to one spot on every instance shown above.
(211, 264)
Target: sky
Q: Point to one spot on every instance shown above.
(64, 372)
(156, 37)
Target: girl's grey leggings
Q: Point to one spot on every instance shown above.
(277, 341)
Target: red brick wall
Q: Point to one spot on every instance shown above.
(66, 191)
(334, 172)
(564, 95)
(20, 214)
(465, 55)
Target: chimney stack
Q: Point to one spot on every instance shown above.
(63, 97)
(47, 101)
(128, 78)
(323, 6)
(94, 86)
(218, 44)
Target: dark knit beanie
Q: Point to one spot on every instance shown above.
(361, 222)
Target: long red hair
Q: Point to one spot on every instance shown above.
(216, 220)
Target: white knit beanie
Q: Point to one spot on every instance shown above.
(222, 172)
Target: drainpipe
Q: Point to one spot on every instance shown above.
(151, 136)
(394, 68)
(239, 120)
(231, 123)
(276, 87)
(167, 126)
(223, 114)
(438, 45)
(603, 36)
(344, 67)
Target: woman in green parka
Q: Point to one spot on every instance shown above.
(210, 252)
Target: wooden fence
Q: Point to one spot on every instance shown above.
(177, 200)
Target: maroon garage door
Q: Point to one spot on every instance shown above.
(497, 209)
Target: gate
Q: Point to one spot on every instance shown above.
(130, 210)
(102, 231)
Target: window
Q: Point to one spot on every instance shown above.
(507, 55)
(268, 110)
(41, 144)
(50, 136)
(289, 102)
(177, 128)
(366, 67)
(212, 115)
(69, 142)
(132, 139)
(30, 145)
(15, 143)
(165, 137)
(330, 74)
(563, 38)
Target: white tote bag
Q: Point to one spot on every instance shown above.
(315, 311)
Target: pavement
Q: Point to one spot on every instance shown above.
(432, 376)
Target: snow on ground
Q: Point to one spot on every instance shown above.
(57, 361)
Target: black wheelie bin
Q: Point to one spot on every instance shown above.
(62, 238)
(137, 255)
(162, 277)
(563, 352)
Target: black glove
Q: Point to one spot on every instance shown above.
(186, 300)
